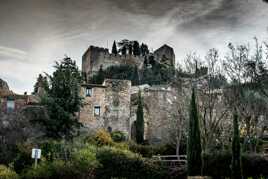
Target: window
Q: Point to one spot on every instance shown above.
(96, 110)
(89, 92)
(10, 106)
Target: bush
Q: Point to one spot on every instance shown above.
(125, 164)
(81, 165)
(118, 136)
(218, 165)
(84, 160)
(101, 138)
(23, 158)
(7, 173)
(150, 150)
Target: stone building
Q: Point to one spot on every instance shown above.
(96, 57)
(11, 102)
(113, 104)
(106, 106)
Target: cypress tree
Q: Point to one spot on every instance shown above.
(236, 158)
(136, 48)
(194, 161)
(114, 49)
(124, 50)
(135, 76)
(139, 121)
(130, 49)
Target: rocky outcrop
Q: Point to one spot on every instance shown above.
(3, 85)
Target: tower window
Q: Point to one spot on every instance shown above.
(96, 110)
(89, 92)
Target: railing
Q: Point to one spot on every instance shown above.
(171, 160)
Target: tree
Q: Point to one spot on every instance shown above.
(41, 83)
(63, 100)
(144, 49)
(236, 158)
(130, 49)
(114, 49)
(124, 46)
(213, 112)
(247, 93)
(136, 48)
(139, 121)
(135, 79)
(124, 50)
(194, 161)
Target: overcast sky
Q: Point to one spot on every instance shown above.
(35, 33)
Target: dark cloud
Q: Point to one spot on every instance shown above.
(35, 33)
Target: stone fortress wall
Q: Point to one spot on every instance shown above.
(118, 98)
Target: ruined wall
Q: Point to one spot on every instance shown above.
(159, 107)
(96, 57)
(117, 110)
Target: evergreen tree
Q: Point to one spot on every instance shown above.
(136, 48)
(41, 83)
(236, 158)
(144, 49)
(124, 50)
(114, 49)
(135, 77)
(139, 121)
(63, 100)
(194, 161)
(130, 49)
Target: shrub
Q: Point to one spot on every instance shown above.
(118, 136)
(7, 173)
(46, 170)
(81, 165)
(23, 158)
(125, 164)
(84, 161)
(150, 150)
(102, 137)
(218, 165)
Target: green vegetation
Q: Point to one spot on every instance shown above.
(194, 161)
(236, 158)
(41, 83)
(63, 100)
(114, 49)
(139, 121)
(7, 173)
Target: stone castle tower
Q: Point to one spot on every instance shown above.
(96, 57)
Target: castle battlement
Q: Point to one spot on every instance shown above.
(97, 57)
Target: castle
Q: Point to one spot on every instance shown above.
(112, 105)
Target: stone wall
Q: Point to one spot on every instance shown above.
(165, 55)
(96, 57)
(113, 97)
(87, 116)
(117, 110)
(159, 107)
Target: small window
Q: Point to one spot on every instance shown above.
(10, 106)
(89, 92)
(96, 110)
